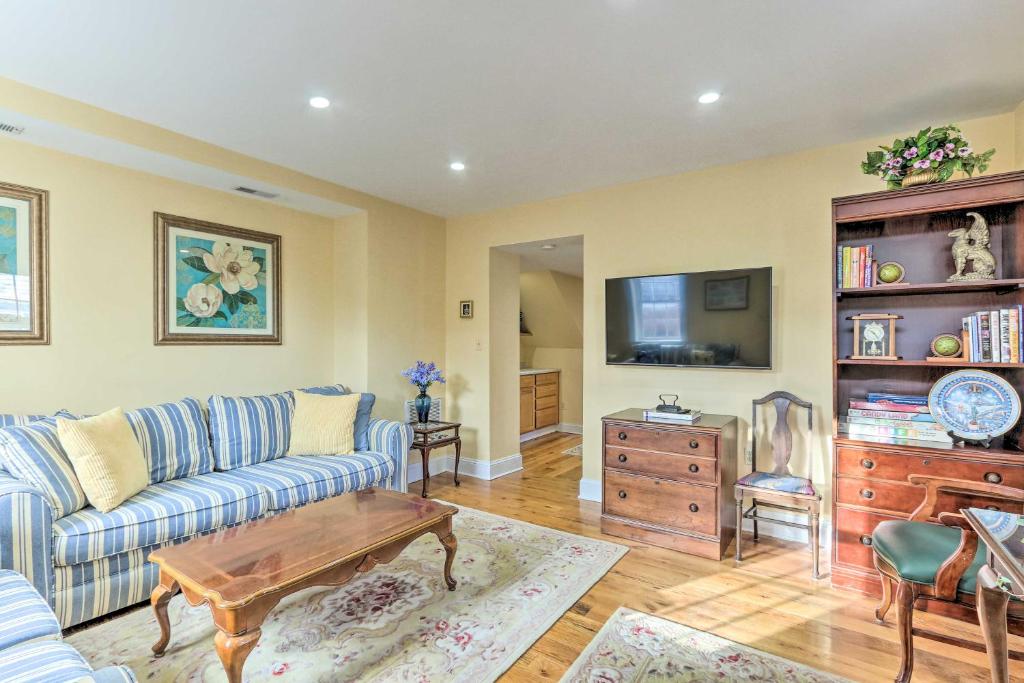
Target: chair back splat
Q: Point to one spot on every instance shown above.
(782, 435)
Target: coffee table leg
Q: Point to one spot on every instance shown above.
(233, 650)
(162, 594)
(451, 544)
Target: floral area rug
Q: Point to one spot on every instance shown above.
(634, 646)
(397, 622)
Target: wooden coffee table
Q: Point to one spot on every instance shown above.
(243, 572)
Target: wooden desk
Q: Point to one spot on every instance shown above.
(1003, 533)
(427, 436)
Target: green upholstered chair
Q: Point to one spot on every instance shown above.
(921, 560)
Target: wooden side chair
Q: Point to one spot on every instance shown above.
(778, 488)
(919, 560)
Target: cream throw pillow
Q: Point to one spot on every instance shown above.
(106, 456)
(323, 425)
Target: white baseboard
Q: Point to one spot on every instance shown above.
(590, 489)
(468, 467)
(536, 433)
(570, 428)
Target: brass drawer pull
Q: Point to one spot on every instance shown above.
(694, 443)
(622, 457)
(622, 494)
(867, 463)
(622, 436)
(865, 540)
(694, 468)
(993, 478)
(693, 507)
(867, 494)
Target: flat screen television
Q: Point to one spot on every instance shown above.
(719, 318)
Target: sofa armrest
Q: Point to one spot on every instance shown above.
(394, 439)
(26, 533)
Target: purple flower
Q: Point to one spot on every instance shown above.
(423, 374)
(923, 163)
(950, 147)
(910, 153)
(937, 155)
(964, 151)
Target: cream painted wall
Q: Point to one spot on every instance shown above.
(351, 301)
(101, 277)
(1019, 134)
(570, 362)
(774, 211)
(503, 306)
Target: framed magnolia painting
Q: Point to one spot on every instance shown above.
(24, 276)
(215, 284)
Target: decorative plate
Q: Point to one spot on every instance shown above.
(974, 404)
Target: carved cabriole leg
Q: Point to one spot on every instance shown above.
(162, 594)
(992, 616)
(451, 544)
(815, 543)
(233, 650)
(905, 624)
(739, 525)
(887, 595)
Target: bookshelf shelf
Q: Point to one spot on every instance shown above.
(1003, 286)
(928, 364)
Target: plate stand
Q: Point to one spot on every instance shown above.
(984, 443)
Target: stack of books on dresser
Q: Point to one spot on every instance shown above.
(892, 416)
(994, 336)
(688, 417)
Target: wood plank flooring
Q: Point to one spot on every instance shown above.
(769, 602)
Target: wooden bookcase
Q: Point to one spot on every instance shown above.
(910, 226)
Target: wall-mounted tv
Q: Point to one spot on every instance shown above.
(719, 319)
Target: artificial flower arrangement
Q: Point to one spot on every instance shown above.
(422, 375)
(932, 156)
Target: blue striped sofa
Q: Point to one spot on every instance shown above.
(212, 466)
(31, 650)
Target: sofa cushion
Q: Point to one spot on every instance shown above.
(300, 479)
(175, 439)
(323, 425)
(246, 430)
(24, 614)
(33, 454)
(45, 661)
(12, 420)
(160, 513)
(362, 425)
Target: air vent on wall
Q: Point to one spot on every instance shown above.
(257, 193)
(11, 129)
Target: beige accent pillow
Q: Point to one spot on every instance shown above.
(106, 456)
(323, 425)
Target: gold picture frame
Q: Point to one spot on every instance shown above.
(215, 284)
(24, 265)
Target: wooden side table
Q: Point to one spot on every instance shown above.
(430, 435)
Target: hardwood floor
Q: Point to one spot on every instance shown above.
(769, 602)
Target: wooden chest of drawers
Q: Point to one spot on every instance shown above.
(670, 485)
(870, 486)
(538, 401)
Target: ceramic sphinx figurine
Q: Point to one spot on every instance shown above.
(972, 245)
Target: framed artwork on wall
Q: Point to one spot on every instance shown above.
(215, 284)
(24, 265)
(726, 295)
(466, 309)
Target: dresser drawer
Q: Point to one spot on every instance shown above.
(659, 501)
(863, 462)
(545, 390)
(665, 440)
(547, 402)
(547, 378)
(547, 417)
(525, 381)
(671, 466)
(891, 496)
(853, 536)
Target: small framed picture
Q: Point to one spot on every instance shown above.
(466, 309)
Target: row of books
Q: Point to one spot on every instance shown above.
(855, 266)
(892, 416)
(994, 336)
(689, 417)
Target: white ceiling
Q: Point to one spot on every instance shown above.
(566, 257)
(538, 97)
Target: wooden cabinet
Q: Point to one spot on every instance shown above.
(538, 401)
(670, 485)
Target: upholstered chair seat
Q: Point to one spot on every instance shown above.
(785, 483)
(916, 550)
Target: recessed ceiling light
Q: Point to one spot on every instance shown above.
(319, 102)
(548, 246)
(457, 166)
(708, 98)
